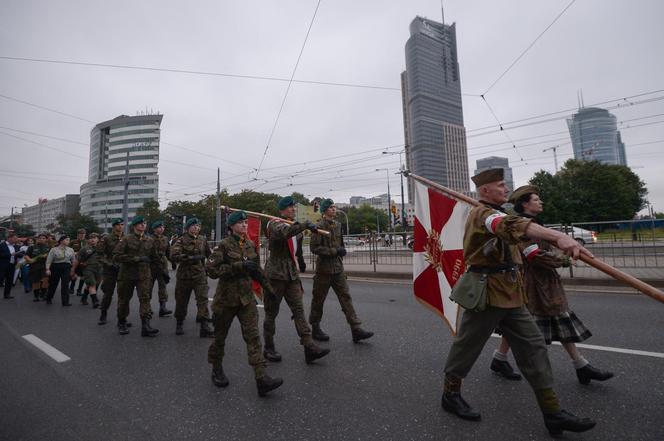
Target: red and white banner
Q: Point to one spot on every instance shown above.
(254, 234)
(438, 250)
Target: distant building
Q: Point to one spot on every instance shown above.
(595, 136)
(46, 211)
(496, 162)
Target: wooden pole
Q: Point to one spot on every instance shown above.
(632, 281)
(267, 216)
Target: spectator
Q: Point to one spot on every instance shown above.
(60, 259)
(25, 266)
(8, 259)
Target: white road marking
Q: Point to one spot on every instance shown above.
(46, 348)
(609, 349)
(260, 306)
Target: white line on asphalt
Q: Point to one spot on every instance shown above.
(46, 348)
(610, 349)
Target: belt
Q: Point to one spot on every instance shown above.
(503, 269)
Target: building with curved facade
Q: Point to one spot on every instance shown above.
(595, 136)
(110, 143)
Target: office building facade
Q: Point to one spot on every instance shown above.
(595, 136)
(496, 162)
(45, 213)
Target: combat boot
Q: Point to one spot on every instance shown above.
(563, 420)
(360, 334)
(318, 334)
(200, 319)
(146, 329)
(37, 295)
(163, 312)
(314, 352)
(588, 372)
(454, 403)
(178, 328)
(266, 383)
(219, 379)
(122, 327)
(271, 354)
(504, 369)
(95, 301)
(102, 317)
(207, 331)
(43, 294)
(84, 298)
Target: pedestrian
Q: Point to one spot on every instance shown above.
(281, 270)
(493, 258)
(9, 256)
(59, 264)
(25, 266)
(135, 253)
(36, 257)
(89, 266)
(547, 300)
(76, 245)
(160, 269)
(236, 263)
(110, 268)
(330, 251)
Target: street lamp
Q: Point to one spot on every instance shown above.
(404, 218)
(389, 199)
(346, 216)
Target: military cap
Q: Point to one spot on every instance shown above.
(191, 221)
(117, 221)
(488, 176)
(93, 235)
(157, 224)
(236, 217)
(522, 191)
(285, 202)
(81, 231)
(137, 220)
(61, 238)
(325, 204)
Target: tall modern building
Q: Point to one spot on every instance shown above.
(123, 143)
(595, 136)
(496, 162)
(432, 109)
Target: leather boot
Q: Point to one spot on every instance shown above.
(207, 331)
(178, 328)
(318, 334)
(122, 327)
(37, 295)
(454, 403)
(163, 312)
(95, 301)
(146, 329)
(563, 420)
(102, 318)
(314, 352)
(271, 354)
(504, 369)
(200, 319)
(219, 379)
(360, 334)
(266, 383)
(84, 298)
(588, 372)
(43, 293)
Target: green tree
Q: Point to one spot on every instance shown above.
(151, 212)
(363, 219)
(70, 224)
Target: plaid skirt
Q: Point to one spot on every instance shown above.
(565, 328)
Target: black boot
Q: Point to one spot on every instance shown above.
(200, 319)
(122, 327)
(84, 298)
(360, 334)
(563, 420)
(37, 295)
(163, 312)
(178, 328)
(219, 379)
(95, 301)
(271, 354)
(587, 373)
(504, 369)
(207, 330)
(318, 334)
(314, 352)
(454, 403)
(266, 383)
(102, 318)
(146, 329)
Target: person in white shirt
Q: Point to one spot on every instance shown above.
(8, 258)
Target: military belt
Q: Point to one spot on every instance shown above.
(502, 269)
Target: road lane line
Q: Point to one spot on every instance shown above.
(46, 348)
(609, 349)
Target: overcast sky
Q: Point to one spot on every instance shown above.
(609, 49)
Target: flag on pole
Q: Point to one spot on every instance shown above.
(438, 250)
(254, 234)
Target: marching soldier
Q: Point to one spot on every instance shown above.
(88, 260)
(36, 256)
(490, 250)
(190, 252)
(110, 269)
(135, 253)
(77, 244)
(160, 270)
(330, 251)
(282, 271)
(236, 263)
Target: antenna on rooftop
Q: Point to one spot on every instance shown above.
(442, 10)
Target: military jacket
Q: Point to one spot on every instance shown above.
(105, 248)
(490, 241)
(77, 244)
(235, 285)
(186, 246)
(163, 251)
(280, 264)
(89, 259)
(38, 253)
(325, 247)
(130, 252)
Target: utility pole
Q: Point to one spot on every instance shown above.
(125, 202)
(217, 232)
(555, 155)
(11, 219)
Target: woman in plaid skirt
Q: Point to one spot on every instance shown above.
(547, 301)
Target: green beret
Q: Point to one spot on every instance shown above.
(137, 220)
(117, 221)
(489, 176)
(190, 222)
(157, 224)
(285, 202)
(325, 204)
(522, 191)
(236, 217)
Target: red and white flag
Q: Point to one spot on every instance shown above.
(254, 234)
(438, 250)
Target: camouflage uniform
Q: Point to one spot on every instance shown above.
(135, 253)
(110, 269)
(161, 267)
(91, 266)
(190, 274)
(235, 298)
(330, 273)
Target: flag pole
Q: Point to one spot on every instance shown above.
(267, 216)
(596, 263)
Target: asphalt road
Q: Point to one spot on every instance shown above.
(127, 387)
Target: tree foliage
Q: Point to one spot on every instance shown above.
(363, 219)
(70, 224)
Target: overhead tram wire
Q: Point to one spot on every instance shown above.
(43, 145)
(501, 128)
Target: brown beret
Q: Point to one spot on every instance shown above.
(488, 176)
(522, 191)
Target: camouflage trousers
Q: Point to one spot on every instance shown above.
(109, 280)
(126, 292)
(247, 315)
(158, 277)
(183, 289)
(291, 290)
(322, 284)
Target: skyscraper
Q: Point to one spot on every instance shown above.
(431, 99)
(595, 136)
(497, 162)
(110, 142)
